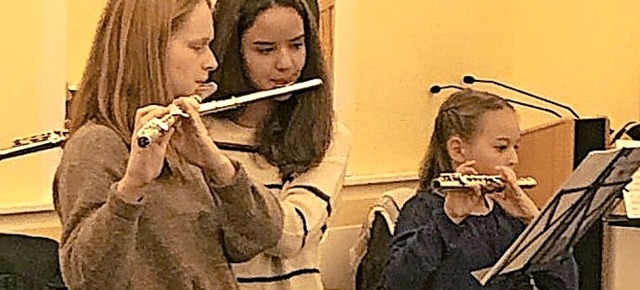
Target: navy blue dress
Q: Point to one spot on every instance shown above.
(429, 251)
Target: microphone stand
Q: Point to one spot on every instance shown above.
(471, 80)
(437, 89)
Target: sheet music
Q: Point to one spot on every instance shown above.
(632, 194)
(589, 193)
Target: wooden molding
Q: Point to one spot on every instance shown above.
(327, 16)
(326, 4)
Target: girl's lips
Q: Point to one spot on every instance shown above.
(282, 83)
(205, 90)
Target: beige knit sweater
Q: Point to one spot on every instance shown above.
(180, 236)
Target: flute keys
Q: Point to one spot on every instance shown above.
(448, 181)
(198, 98)
(175, 111)
(151, 130)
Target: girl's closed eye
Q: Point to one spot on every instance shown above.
(200, 45)
(298, 44)
(266, 49)
(197, 47)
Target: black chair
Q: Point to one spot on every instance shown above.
(29, 263)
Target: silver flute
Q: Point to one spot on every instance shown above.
(448, 181)
(158, 126)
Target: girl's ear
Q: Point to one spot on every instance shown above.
(456, 149)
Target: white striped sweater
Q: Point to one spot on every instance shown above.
(307, 202)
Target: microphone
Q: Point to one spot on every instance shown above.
(471, 80)
(632, 129)
(436, 89)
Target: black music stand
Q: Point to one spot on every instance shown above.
(589, 193)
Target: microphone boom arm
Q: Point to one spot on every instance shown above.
(436, 89)
(470, 80)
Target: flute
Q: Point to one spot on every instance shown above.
(158, 126)
(448, 181)
(35, 143)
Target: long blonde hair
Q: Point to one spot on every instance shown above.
(126, 65)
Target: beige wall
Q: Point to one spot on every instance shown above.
(585, 54)
(387, 55)
(83, 17)
(44, 47)
(32, 87)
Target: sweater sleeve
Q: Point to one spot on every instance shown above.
(252, 216)
(309, 198)
(98, 227)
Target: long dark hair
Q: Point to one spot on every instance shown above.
(458, 116)
(297, 134)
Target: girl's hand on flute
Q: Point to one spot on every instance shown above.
(145, 164)
(513, 199)
(192, 141)
(460, 203)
